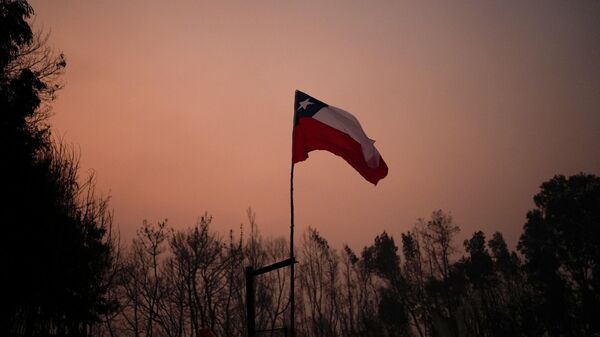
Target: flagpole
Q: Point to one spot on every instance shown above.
(292, 301)
(292, 306)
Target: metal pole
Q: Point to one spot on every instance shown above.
(292, 305)
(273, 266)
(250, 311)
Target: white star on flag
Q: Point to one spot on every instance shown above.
(305, 103)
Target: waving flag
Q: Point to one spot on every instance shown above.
(318, 126)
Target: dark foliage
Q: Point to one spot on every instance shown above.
(561, 245)
(54, 253)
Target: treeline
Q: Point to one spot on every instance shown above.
(65, 273)
(178, 282)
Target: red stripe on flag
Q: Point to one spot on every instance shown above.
(309, 134)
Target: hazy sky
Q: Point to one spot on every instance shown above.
(183, 107)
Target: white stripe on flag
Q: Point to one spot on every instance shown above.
(348, 124)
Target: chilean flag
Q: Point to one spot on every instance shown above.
(318, 126)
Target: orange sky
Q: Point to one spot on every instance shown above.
(183, 107)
